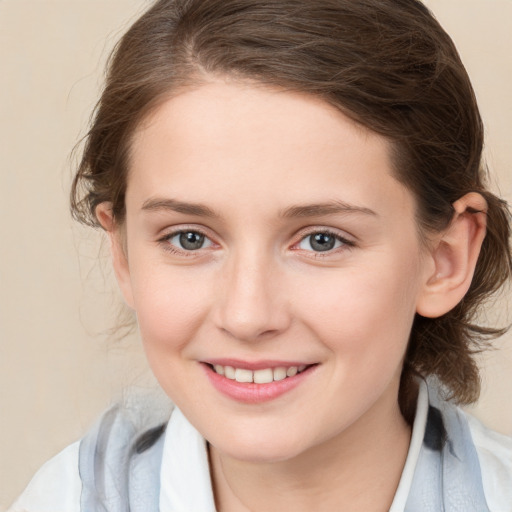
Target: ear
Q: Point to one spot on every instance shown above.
(117, 249)
(454, 254)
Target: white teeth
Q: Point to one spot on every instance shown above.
(242, 375)
(291, 371)
(264, 376)
(229, 372)
(279, 373)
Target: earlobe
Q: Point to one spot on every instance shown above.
(454, 254)
(117, 250)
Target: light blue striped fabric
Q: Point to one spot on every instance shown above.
(447, 476)
(120, 464)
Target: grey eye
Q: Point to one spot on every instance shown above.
(190, 240)
(320, 242)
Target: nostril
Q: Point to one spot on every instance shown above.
(248, 333)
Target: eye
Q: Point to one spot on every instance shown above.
(189, 240)
(322, 242)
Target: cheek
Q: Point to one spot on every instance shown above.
(366, 312)
(170, 311)
(170, 305)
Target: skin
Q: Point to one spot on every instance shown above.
(258, 291)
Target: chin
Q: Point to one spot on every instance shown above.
(261, 450)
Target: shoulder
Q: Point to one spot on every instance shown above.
(494, 452)
(127, 437)
(56, 487)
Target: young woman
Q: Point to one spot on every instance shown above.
(295, 198)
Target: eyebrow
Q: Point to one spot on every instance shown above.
(161, 204)
(329, 208)
(297, 211)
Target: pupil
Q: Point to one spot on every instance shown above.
(191, 240)
(322, 242)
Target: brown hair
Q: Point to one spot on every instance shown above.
(387, 64)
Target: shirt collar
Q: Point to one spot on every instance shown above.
(418, 433)
(185, 474)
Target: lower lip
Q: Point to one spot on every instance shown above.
(250, 393)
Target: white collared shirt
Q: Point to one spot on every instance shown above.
(185, 473)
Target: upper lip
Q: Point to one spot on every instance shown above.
(254, 365)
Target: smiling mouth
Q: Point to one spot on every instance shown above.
(256, 383)
(261, 376)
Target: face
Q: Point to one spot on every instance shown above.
(266, 240)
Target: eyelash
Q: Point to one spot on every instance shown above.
(346, 244)
(164, 241)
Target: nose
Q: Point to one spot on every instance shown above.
(254, 305)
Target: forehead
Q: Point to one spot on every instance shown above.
(241, 142)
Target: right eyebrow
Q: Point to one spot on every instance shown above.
(168, 204)
(322, 209)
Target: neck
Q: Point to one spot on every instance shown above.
(335, 475)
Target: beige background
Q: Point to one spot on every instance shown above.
(58, 366)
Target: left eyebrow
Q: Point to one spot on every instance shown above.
(168, 204)
(329, 208)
